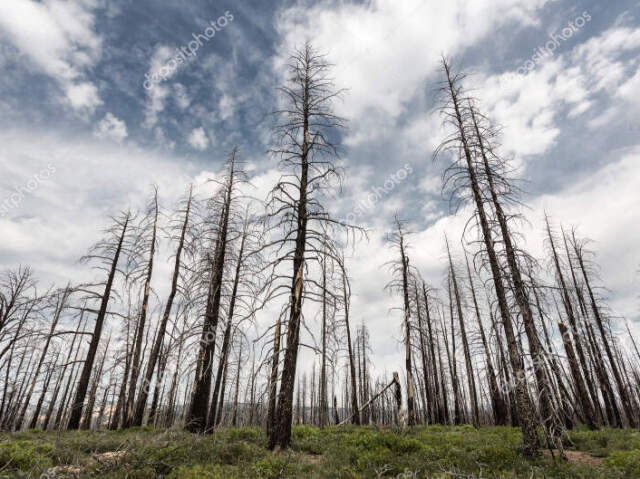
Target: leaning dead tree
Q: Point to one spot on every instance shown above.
(107, 252)
(155, 351)
(462, 176)
(145, 244)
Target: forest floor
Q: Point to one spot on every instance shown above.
(432, 452)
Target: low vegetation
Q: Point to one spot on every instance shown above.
(332, 453)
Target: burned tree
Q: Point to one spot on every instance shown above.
(155, 351)
(145, 244)
(463, 176)
(108, 253)
(197, 414)
(401, 274)
(306, 147)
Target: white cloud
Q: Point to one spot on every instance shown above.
(606, 208)
(181, 96)
(385, 50)
(198, 139)
(111, 127)
(55, 224)
(58, 38)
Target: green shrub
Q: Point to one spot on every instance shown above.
(244, 434)
(239, 452)
(200, 472)
(303, 432)
(26, 455)
(271, 467)
(625, 462)
(497, 457)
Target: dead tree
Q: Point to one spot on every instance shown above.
(574, 365)
(61, 303)
(501, 190)
(145, 244)
(401, 273)
(155, 350)
(109, 250)
(346, 304)
(226, 342)
(499, 407)
(462, 173)
(465, 342)
(62, 374)
(580, 251)
(305, 150)
(197, 414)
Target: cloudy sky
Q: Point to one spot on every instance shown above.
(95, 106)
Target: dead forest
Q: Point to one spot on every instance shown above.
(506, 338)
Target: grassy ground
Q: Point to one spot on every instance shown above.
(344, 453)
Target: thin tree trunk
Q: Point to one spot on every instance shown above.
(465, 345)
(83, 385)
(137, 354)
(155, 351)
(525, 408)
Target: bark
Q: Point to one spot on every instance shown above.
(197, 416)
(521, 294)
(234, 418)
(324, 408)
(43, 393)
(273, 380)
(465, 344)
(352, 367)
(83, 385)
(574, 365)
(137, 355)
(497, 402)
(62, 299)
(155, 351)
(88, 413)
(622, 391)
(227, 334)
(524, 406)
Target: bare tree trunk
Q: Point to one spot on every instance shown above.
(525, 408)
(137, 354)
(438, 408)
(453, 362)
(521, 295)
(324, 411)
(197, 416)
(622, 391)
(88, 413)
(346, 289)
(583, 393)
(155, 351)
(499, 406)
(465, 344)
(222, 393)
(234, 418)
(43, 393)
(83, 385)
(62, 299)
(162, 363)
(273, 380)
